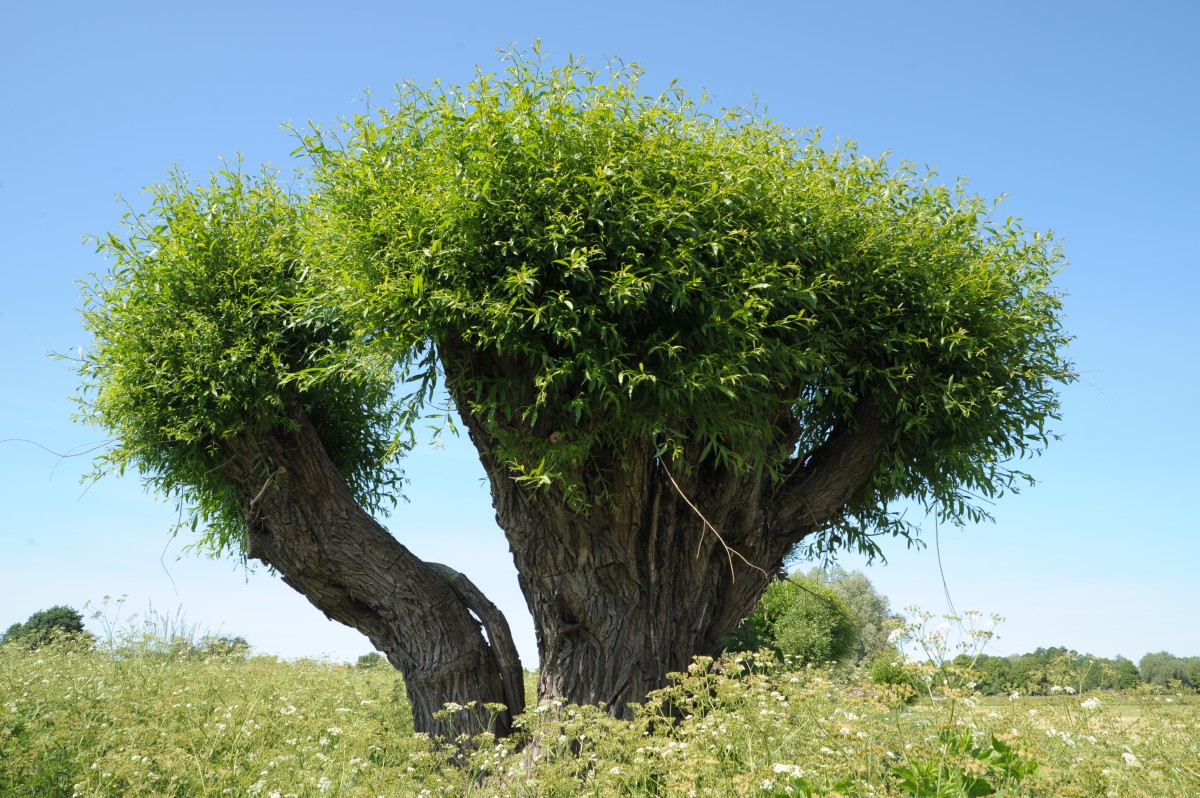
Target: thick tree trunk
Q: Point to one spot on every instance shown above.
(425, 617)
(668, 564)
(622, 597)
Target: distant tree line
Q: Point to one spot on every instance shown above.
(837, 616)
(65, 623)
(1047, 671)
(1051, 670)
(821, 617)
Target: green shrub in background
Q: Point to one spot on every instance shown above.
(889, 668)
(222, 646)
(870, 611)
(43, 626)
(799, 617)
(825, 615)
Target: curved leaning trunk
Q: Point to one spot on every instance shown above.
(304, 522)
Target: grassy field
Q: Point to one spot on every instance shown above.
(148, 722)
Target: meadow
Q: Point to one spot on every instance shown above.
(149, 718)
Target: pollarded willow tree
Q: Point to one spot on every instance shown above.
(682, 344)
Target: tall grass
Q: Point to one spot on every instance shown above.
(79, 720)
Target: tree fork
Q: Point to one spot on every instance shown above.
(303, 521)
(640, 584)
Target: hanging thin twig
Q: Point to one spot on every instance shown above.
(729, 551)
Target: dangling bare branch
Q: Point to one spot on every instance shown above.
(729, 550)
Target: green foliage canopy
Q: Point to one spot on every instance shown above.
(202, 327)
(584, 258)
(1162, 668)
(372, 659)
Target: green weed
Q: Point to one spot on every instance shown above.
(110, 720)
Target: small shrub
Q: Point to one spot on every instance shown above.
(45, 625)
(888, 668)
(799, 617)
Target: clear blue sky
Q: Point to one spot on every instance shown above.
(1086, 114)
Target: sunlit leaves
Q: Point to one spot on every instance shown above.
(628, 268)
(207, 327)
(596, 274)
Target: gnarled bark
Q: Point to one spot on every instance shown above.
(426, 618)
(621, 595)
(668, 564)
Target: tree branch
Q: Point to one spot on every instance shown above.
(837, 469)
(500, 639)
(310, 529)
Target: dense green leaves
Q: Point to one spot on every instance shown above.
(820, 616)
(801, 617)
(869, 610)
(204, 326)
(621, 267)
(593, 271)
